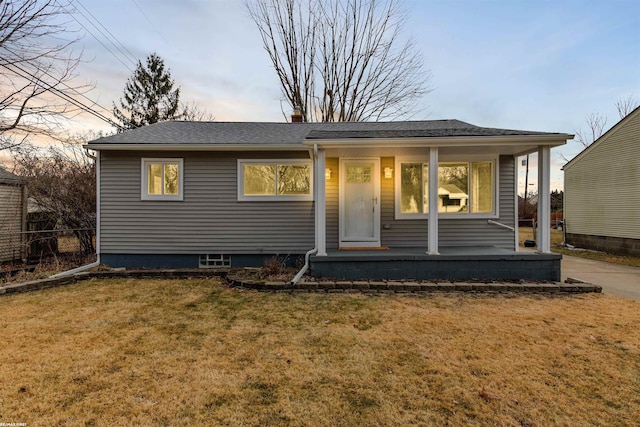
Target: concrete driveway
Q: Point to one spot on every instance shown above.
(619, 280)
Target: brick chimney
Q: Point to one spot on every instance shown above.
(296, 117)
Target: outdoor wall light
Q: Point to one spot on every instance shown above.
(388, 172)
(327, 173)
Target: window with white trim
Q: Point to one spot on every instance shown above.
(465, 188)
(269, 180)
(162, 179)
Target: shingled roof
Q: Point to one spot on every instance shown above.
(7, 177)
(262, 133)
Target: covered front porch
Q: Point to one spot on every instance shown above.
(366, 230)
(451, 264)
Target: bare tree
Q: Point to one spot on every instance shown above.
(626, 106)
(596, 123)
(288, 30)
(37, 66)
(62, 182)
(341, 60)
(194, 113)
(595, 127)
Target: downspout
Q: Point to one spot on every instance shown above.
(75, 270)
(305, 267)
(97, 262)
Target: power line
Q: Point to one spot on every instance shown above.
(121, 47)
(93, 103)
(110, 38)
(59, 93)
(97, 39)
(150, 22)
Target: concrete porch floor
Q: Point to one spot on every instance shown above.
(456, 251)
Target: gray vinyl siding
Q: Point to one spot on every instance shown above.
(602, 186)
(12, 222)
(209, 220)
(413, 233)
(402, 232)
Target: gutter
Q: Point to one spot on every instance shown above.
(305, 267)
(437, 141)
(194, 147)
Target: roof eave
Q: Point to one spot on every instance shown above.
(196, 147)
(553, 140)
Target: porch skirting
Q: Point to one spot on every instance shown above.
(453, 264)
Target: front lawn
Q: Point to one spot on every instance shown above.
(163, 352)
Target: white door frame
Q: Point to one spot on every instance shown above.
(375, 241)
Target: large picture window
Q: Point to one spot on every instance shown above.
(275, 180)
(162, 179)
(464, 188)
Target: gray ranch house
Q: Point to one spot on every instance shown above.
(430, 199)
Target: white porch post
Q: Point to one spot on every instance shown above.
(321, 223)
(433, 202)
(516, 221)
(544, 199)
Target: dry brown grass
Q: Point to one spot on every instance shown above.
(19, 272)
(557, 238)
(526, 233)
(154, 352)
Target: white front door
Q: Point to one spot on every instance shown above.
(360, 202)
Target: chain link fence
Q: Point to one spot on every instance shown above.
(45, 251)
(42, 243)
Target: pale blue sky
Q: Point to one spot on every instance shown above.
(535, 65)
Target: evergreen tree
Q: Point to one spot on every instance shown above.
(149, 96)
(557, 201)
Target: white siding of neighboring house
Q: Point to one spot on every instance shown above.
(11, 222)
(602, 185)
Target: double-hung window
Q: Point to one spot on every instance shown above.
(162, 179)
(269, 180)
(465, 188)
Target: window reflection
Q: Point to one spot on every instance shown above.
(463, 187)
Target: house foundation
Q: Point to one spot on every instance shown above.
(452, 264)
